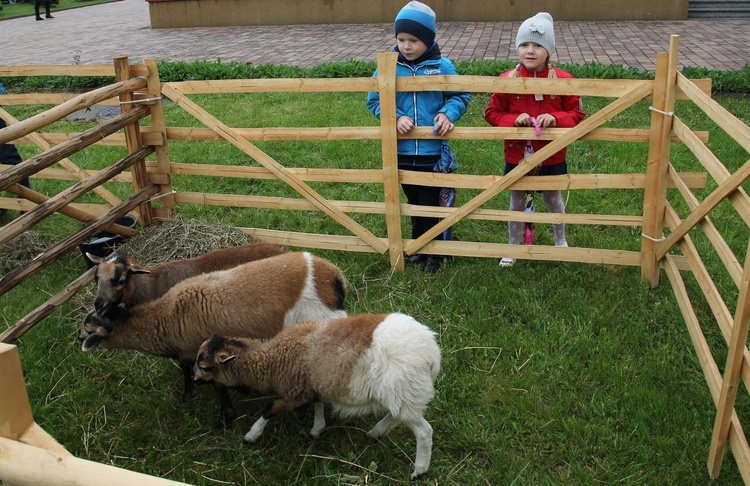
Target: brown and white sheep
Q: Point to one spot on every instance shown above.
(360, 364)
(256, 299)
(120, 280)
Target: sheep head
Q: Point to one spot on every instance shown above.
(94, 330)
(111, 279)
(213, 355)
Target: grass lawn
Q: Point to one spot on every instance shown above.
(552, 373)
(22, 9)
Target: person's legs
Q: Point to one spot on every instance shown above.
(37, 4)
(46, 8)
(555, 204)
(554, 201)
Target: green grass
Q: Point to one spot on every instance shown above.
(552, 373)
(23, 9)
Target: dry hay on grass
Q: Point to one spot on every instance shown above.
(178, 238)
(21, 249)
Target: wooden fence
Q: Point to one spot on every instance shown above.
(139, 92)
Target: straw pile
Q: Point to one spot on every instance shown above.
(21, 249)
(179, 238)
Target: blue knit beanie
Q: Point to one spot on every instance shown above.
(416, 19)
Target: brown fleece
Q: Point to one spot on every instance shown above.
(249, 300)
(301, 363)
(143, 287)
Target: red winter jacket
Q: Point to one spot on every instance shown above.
(504, 109)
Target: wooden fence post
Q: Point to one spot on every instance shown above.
(159, 127)
(655, 194)
(389, 141)
(133, 139)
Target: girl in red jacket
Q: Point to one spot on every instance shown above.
(535, 43)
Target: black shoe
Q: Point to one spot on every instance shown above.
(433, 263)
(415, 259)
(49, 16)
(39, 18)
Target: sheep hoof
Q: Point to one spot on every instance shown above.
(418, 475)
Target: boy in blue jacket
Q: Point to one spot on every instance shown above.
(419, 55)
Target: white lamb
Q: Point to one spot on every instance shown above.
(360, 364)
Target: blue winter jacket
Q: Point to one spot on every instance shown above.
(423, 106)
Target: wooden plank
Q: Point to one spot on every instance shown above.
(732, 370)
(523, 168)
(15, 411)
(296, 85)
(373, 133)
(737, 439)
(159, 125)
(43, 99)
(367, 207)
(268, 162)
(612, 88)
(57, 70)
(66, 163)
(54, 138)
(457, 248)
(734, 127)
(84, 100)
(67, 210)
(64, 175)
(25, 465)
(32, 318)
(53, 155)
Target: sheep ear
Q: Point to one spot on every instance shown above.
(224, 358)
(94, 258)
(91, 342)
(137, 269)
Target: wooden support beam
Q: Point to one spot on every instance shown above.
(655, 195)
(389, 151)
(133, 139)
(33, 165)
(84, 100)
(82, 216)
(25, 465)
(24, 222)
(33, 317)
(51, 255)
(732, 372)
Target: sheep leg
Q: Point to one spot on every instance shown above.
(228, 415)
(319, 422)
(276, 407)
(383, 427)
(188, 380)
(423, 432)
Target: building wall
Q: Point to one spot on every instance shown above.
(221, 13)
